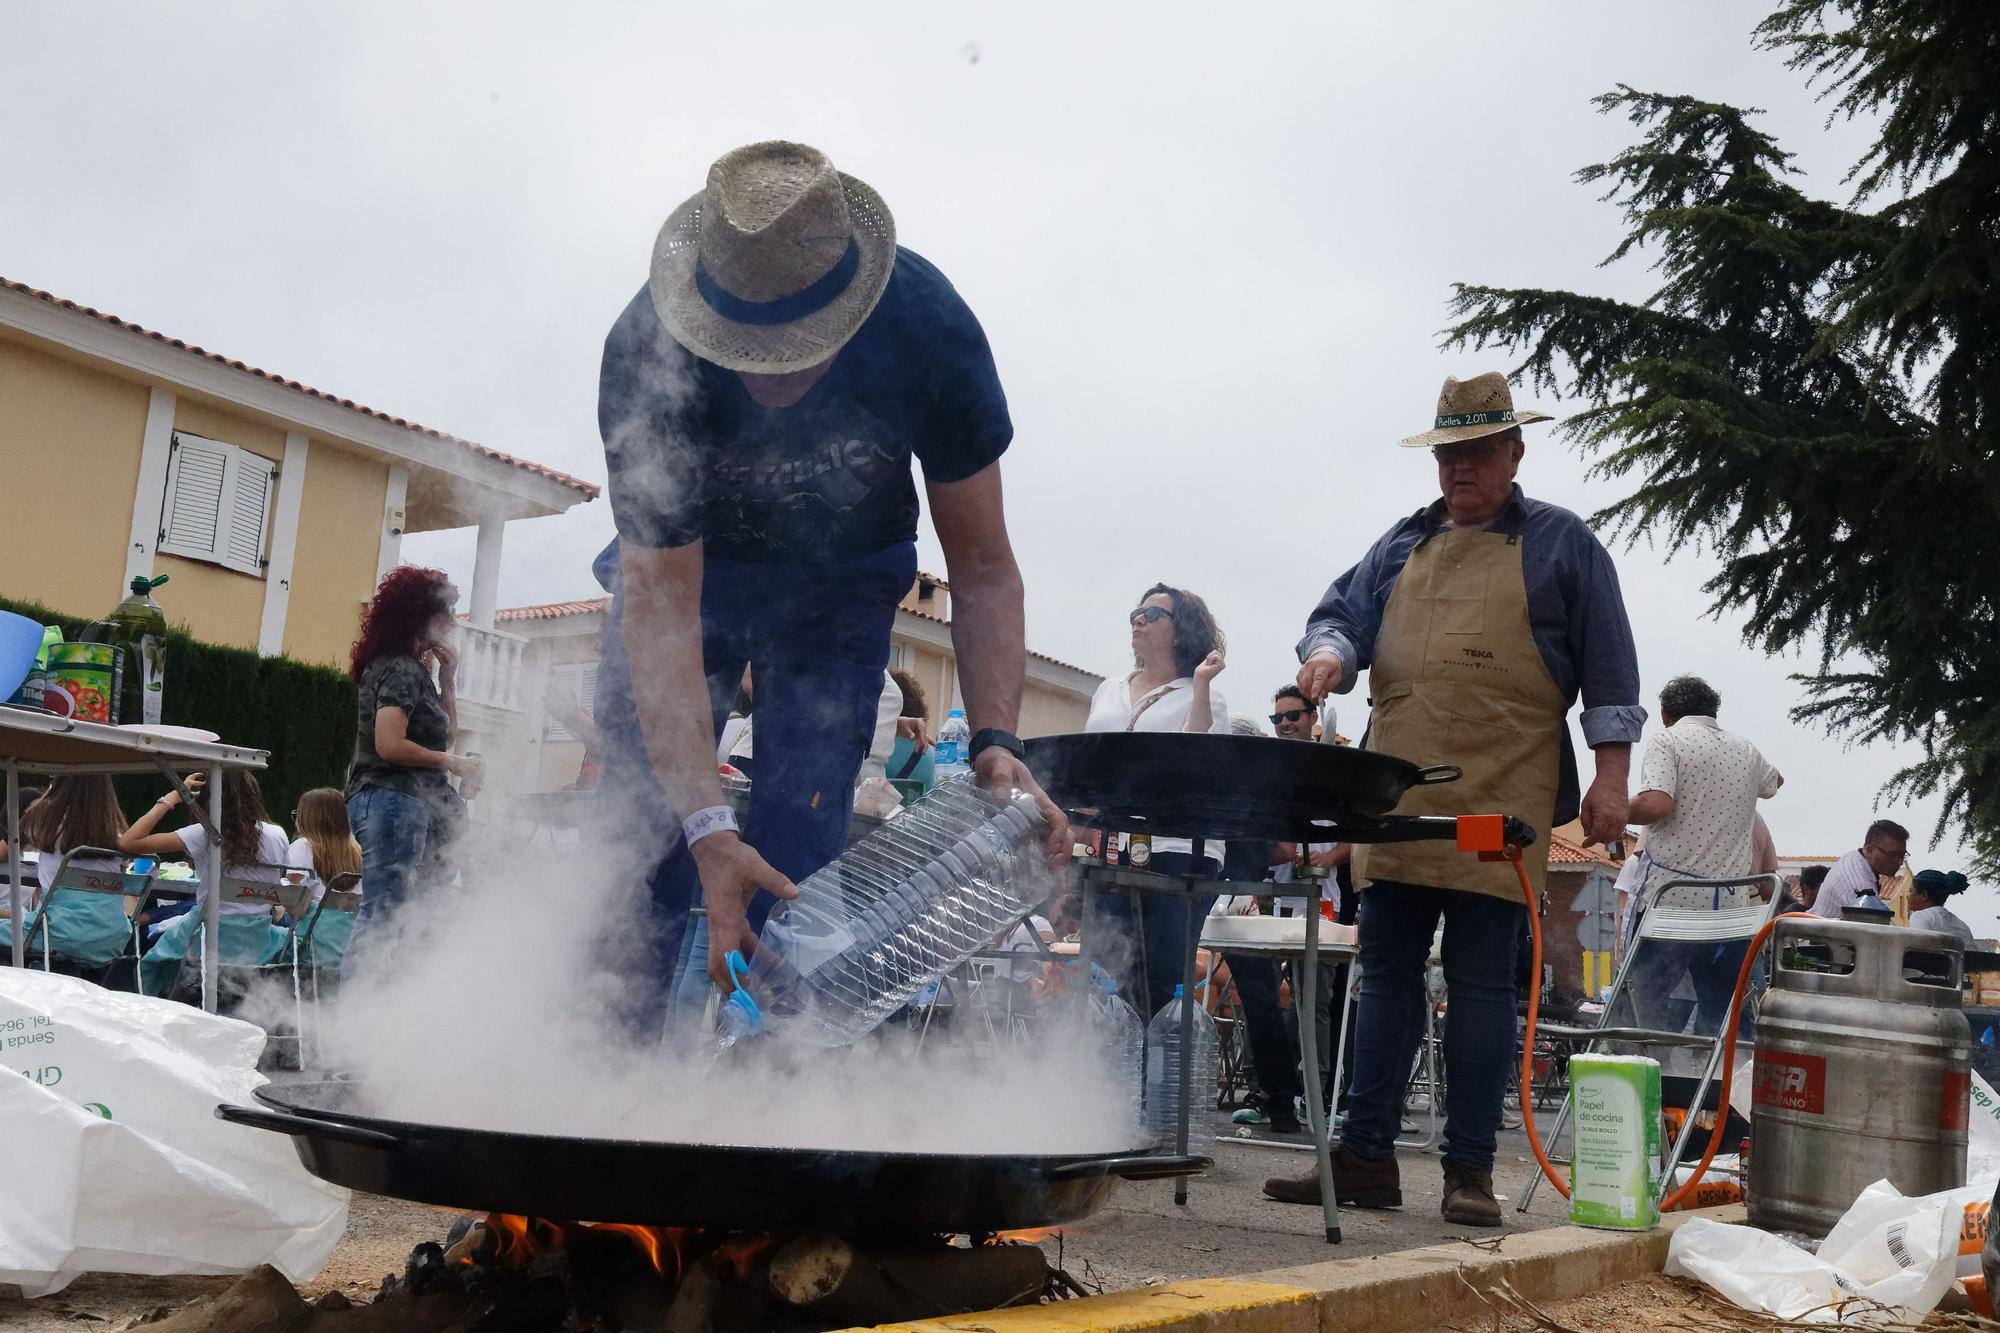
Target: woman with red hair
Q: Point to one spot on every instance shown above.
(397, 786)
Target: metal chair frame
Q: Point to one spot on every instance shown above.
(1666, 924)
(76, 879)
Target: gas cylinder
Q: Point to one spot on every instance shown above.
(1863, 1070)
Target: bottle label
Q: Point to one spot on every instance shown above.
(152, 677)
(947, 755)
(1141, 851)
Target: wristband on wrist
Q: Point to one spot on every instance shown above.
(714, 819)
(988, 737)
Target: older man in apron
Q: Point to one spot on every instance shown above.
(1481, 619)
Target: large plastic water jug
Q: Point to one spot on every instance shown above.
(1163, 1065)
(1119, 1038)
(899, 909)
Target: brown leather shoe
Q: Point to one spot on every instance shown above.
(1358, 1182)
(1468, 1196)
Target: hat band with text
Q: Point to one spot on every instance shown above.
(808, 300)
(1505, 418)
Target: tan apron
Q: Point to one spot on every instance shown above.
(1457, 679)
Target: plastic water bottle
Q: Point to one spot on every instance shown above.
(899, 909)
(954, 745)
(1163, 1065)
(1117, 1033)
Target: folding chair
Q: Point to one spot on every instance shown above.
(84, 881)
(1737, 922)
(317, 945)
(294, 898)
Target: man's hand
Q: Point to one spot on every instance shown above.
(1605, 805)
(916, 731)
(731, 873)
(1604, 808)
(1001, 772)
(1334, 856)
(1319, 675)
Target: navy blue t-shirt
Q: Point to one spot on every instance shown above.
(692, 457)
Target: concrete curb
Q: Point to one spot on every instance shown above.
(1410, 1289)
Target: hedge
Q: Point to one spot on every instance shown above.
(304, 715)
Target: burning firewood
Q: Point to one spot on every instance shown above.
(827, 1276)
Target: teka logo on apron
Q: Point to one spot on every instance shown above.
(1787, 1081)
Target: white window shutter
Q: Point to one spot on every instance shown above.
(577, 681)
(242, 544)
(197, 475)
(218, 503)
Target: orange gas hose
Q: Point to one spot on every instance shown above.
(1743, 974)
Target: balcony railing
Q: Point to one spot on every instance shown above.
(489, 667)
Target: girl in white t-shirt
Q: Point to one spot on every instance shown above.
(91, 929)
(325, 849)
(1177, 651)
(253, 850)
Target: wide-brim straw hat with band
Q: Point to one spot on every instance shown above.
(1473, 409)
(775, 264)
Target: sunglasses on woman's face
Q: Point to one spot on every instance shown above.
(1146, 615)
(1289, 715)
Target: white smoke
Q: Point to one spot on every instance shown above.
(505, 1004)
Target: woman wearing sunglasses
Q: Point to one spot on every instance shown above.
(1177, 653)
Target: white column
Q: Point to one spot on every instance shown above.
(156, 444)
(486, 572)
(284, 545)
(211, 891)
(390, 553)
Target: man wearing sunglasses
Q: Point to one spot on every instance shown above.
(1274, 1051)
(1884, 850)
(1480, 620)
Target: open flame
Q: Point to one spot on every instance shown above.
(1030, 1235)
(517, 1241)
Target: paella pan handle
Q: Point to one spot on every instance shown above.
(1436, 773)
(284, 1122)
(1137, 1167)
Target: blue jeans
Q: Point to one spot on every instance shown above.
(1482, 935)
(1150, 972)
(1656, 971)
(816, 639)
(394, 830)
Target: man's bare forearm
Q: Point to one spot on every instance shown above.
(660, 603)
(989, 636)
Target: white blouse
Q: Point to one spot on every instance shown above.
(1112, 707)
(1163, 709)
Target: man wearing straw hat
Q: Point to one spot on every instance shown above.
(761, 400)
(1480, 619)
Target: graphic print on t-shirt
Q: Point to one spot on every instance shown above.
(767, 487)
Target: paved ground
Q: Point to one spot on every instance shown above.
(1229, 1227)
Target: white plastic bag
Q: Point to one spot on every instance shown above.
(1891, 1256)
(111, 1158)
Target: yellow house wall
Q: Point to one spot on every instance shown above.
(70, 439)
(218, 605)
(1045, 711)
(333, 563)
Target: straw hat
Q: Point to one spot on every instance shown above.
(775, 264)
(1472, 409)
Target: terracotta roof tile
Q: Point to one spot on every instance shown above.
(557, 610)
(1564, 852)
(552, 610)
(587, 489)
(940, 620)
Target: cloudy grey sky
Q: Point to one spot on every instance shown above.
(1210, 245)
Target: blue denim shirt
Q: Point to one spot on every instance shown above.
(1575, 610)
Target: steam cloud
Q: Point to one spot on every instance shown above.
(504, 1004)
